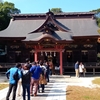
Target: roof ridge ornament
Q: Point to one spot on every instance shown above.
(49, 10)
(50, 25)
(49, 14)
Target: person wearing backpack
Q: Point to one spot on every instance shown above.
(10, 74)
(26, 79)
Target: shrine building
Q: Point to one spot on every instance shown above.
(62, 38)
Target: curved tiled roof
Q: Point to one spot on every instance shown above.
(81, 27)
(57, 36)
(78, 27)
(44, 14)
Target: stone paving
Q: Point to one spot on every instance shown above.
(55, 89)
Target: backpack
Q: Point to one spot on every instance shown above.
(26, 76)
(16, 76)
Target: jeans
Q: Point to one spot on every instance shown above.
(14, 88)
(47, 76)
(42, 86)
(50, 72)
(26, 87)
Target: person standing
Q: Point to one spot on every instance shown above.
(28, 62)
(46, 64)
(26, 79)
(35, 71)
(19, 88)
(77, 69)
(42, 80)
(12, 81)
(81, 69)
(51, 67)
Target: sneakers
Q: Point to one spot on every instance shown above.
(38, 91)
(42, 91)
(31, 94)
(35, 95)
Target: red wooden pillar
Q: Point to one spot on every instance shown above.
(61, 64)
(35, 55)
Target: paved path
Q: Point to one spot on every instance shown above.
(55, 89)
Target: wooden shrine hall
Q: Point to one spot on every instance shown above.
(62, 38)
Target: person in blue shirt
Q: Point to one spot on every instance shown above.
(77, 69)
(12, 82)
(35, 71)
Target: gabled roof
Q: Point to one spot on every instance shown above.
(51, 24)
(56, 35)
(63, 28)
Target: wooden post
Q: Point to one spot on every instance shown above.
(93, 71)
(35, 56)
(61, 65)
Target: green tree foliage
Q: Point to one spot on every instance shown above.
(97, 12)
(97, 15)
(56, 10)
(98, 22)
(6, 9)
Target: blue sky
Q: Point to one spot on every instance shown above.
(42, 6)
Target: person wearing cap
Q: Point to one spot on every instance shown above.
(26, 79)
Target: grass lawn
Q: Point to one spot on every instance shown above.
(2, 86)
(96, 81)
(83, 93)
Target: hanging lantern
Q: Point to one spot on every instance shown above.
(45, 53)
(41, 53)
(50, 54)
(54, 54)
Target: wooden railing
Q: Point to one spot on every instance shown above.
(91, 68)
(5, 66)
